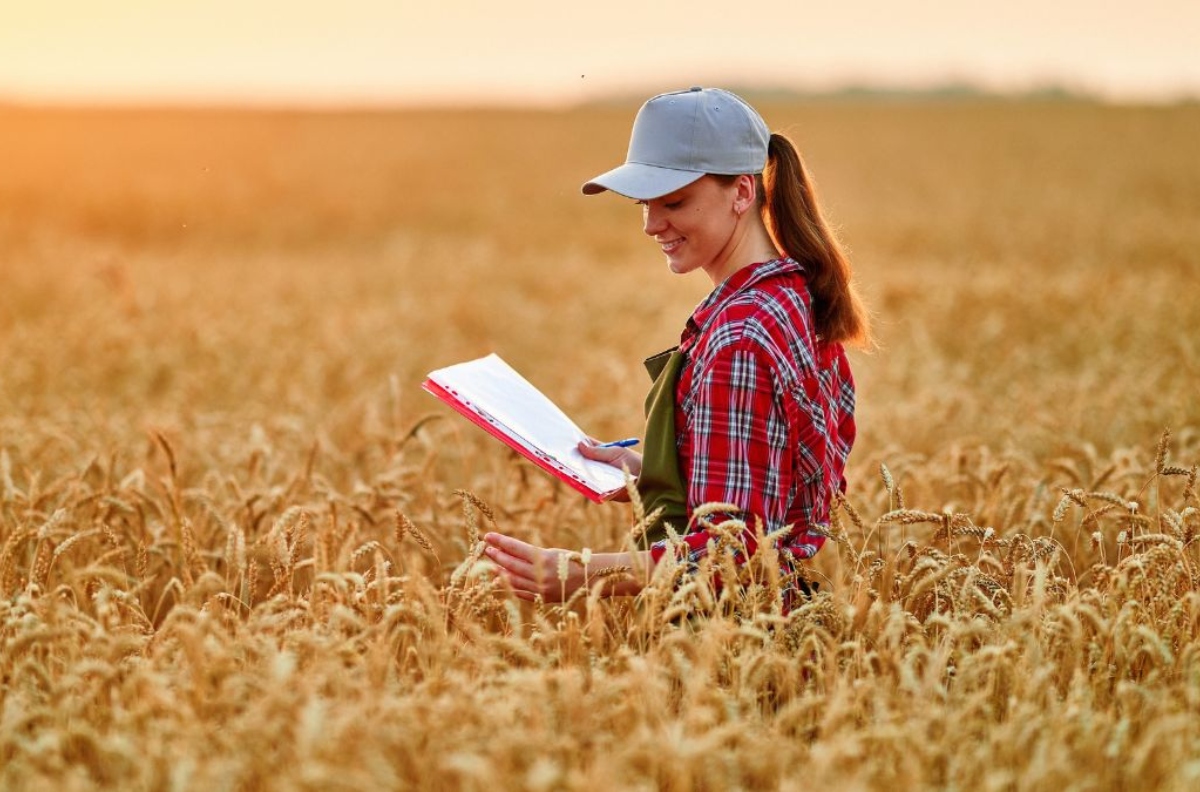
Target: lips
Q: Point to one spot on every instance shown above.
(672, 246)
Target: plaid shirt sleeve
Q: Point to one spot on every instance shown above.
(765, 416)
(741, 440)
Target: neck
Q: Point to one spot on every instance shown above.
(749, 244)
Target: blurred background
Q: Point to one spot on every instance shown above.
(255, 226)
(235, 236)
(459, 52)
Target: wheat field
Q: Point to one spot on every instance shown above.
(238, 544)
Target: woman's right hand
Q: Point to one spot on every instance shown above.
(616, 456)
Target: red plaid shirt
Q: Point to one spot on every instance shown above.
(764, 414)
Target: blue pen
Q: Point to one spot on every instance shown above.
(620, 443)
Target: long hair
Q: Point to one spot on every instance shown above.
(794, 220)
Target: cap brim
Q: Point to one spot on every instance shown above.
(641, 182)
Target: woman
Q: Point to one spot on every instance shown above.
(755, 407)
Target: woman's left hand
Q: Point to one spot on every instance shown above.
(532, 571)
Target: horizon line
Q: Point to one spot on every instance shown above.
(851, 92)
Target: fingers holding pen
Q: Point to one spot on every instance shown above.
(618, 455)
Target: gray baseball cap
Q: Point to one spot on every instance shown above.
(680, 136)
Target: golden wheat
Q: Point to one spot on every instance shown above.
(240, 549)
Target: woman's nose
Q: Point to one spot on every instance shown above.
(653, 222)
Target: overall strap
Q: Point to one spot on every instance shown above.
(660, 484)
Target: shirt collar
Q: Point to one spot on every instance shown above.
(740, 281)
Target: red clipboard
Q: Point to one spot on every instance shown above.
(496, 429)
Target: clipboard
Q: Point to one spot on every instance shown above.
(492, 395)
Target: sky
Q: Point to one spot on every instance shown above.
(550, 52)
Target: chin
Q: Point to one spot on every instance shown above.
(678, 267)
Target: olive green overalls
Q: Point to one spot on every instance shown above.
(660, 484)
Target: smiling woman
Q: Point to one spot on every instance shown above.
(754, 409)
(693, 234)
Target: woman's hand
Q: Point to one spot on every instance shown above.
(533, 571)
(617, 457)
(553, 574)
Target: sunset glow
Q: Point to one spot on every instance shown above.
(459, 51)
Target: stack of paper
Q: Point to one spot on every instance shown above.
(493, 395)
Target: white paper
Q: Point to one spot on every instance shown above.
(495, 390)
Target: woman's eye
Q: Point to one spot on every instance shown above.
(673, 204)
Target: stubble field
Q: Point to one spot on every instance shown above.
(237, 542)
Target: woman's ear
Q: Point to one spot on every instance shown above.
(745, 194)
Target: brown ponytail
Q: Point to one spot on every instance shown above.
(799, 230)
